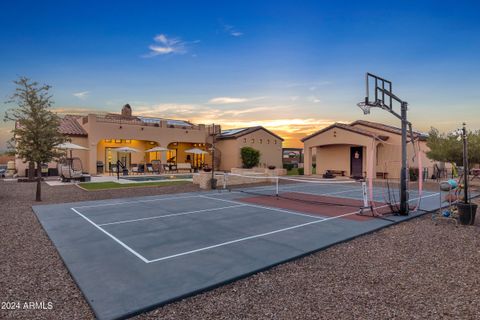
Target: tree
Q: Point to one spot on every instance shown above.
(36, 131)
(250, 157)
(448, 148)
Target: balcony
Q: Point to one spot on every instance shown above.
(152, 122)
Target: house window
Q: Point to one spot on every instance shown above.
(268, 141)
(244, 140)
(261, 141)
(275, 141)
(252, 141)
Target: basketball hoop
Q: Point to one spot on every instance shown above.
(365, 107)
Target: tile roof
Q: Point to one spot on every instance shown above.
(70, 126)
(236, 133)
(347, 127)
(386, 128)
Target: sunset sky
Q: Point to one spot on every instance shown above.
(291, 66)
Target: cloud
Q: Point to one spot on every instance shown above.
(232, 100)
(165, 45)
(81, 95)
(290, 126)
(227, 100)
(75, 110)
(231, 30)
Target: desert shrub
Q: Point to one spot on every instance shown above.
(250, 157)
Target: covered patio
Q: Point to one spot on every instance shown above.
(344, 151)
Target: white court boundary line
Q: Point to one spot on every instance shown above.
(262, 234)
(135, 201)
(228, 242)
(138, 255)
(171, 215)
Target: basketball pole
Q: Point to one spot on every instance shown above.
(404, 174)
(380, 102)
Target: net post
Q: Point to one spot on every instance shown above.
(276, 186)
(224, 180)
(365, 194)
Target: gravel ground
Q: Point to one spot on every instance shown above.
(414, 270)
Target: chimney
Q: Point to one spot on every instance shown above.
(127, 110)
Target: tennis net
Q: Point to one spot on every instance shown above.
(348, 193)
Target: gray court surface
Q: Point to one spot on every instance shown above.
(132, 255)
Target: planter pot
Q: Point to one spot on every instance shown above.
(466, 213)
(271, 167)
(207, 170)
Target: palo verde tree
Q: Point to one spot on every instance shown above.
(36, 131)
(448, 148)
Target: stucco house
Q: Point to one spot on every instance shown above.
(346, 148)
(231, 141)
(103, 133)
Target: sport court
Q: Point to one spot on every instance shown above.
(132, 255)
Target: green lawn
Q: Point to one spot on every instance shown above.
(91, 186)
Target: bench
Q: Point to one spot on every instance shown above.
(337, 172)
(382, 175)
(184, 166)
(329, 174)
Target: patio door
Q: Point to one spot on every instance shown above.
(111, 157)
(356, 162)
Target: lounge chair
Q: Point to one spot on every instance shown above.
(149, 168)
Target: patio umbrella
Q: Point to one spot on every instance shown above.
(196, 152)
(70, 146)
(127, 150)
(157, 150)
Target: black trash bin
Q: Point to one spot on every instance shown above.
(213, 184)
(466, 213)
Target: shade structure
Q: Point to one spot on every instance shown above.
(127, 150)
(70, 146)
(196, 151)
(157, 149)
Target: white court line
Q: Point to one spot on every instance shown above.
(266, 208)
(112, 236)
(265, 234)
(172, 215)
(135, 201)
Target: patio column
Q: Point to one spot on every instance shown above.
(92, 159)
(371, 160)
(307, 160)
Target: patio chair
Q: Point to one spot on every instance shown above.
(149, 168)
(157, 166)
(134, 168)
